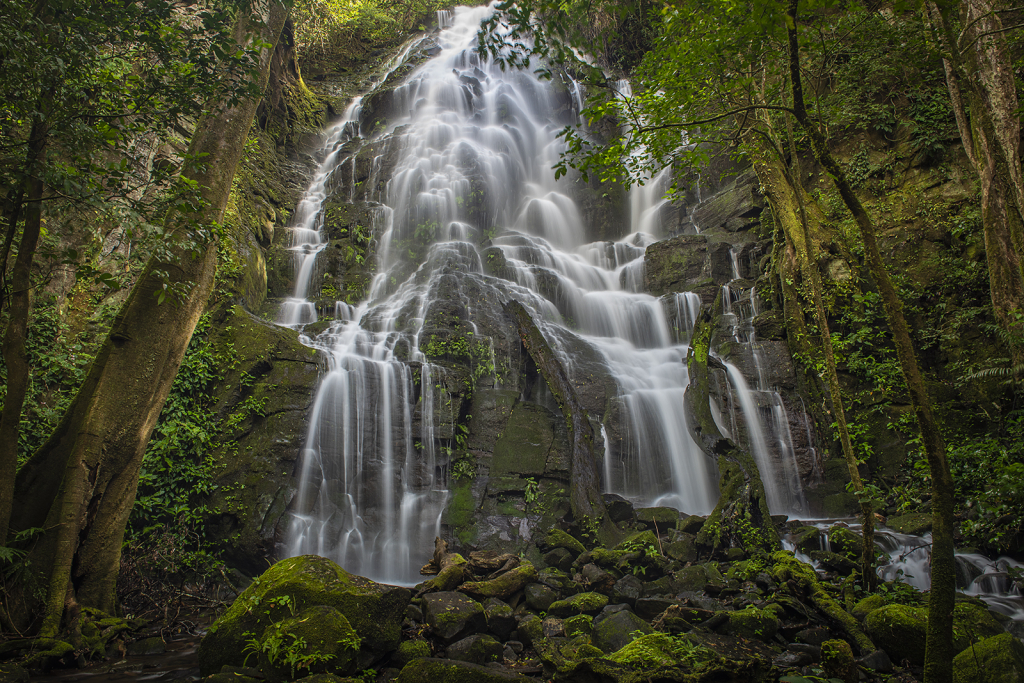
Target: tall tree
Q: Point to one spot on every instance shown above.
(97, 447)
(81, 120)
(939, 648)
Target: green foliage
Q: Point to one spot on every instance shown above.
(288, 649)
(531, 494)
(356, 26)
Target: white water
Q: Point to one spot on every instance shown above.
(477, 145)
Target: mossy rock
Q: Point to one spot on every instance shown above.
(999, 659)
(867, 605)
(649, 650)
(579, 624)
(900, 630)
(613, 631)
(972, 622)
(430, 670)
(837, 660)
(477, 649)
(12, 673)
(560, 539)
(683, 550)
(325, 634)
(639, 539)
(502, 586)
(500, 619)
(409, 650)
(452, 616)
(691, 525)
(539, 597)
(660, 518)
(531, 630)
(692, 578)
(752, 623)
(373, 610)
(844, 542)
(581, 603)
(806, 538)
(916, 523)
(608, 559)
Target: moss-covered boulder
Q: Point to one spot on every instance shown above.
(661, 519)
(452, 616)
(502, 586)
(316, 640)
(614, 630)
(500, 619)
(531, 630)
(682, 550)
(477, 649)
(539, 597)
(581, 624)
(410, 650)
(581, 603)
(806, 538)
(752, 623)
(692, 578)
(916, 523)
(999, 659)
(373, 610)
(844, 542)
(972, 622)
(868, 605)
(449, 671)
(900, 630)
(837, 660)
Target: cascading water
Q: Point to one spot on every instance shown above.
(477, 146)
(762, 409)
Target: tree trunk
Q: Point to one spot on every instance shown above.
(741, 518)
(98, 446)
(14, 352)
(990, 130)
(785, 193)
(938, 666)
(584, 480)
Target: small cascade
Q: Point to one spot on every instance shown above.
(762, 411)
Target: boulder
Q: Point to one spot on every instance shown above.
(581, 603)
(806, 538)
(614, 630)
(837, 660)
(660, 518)
(999, 659)
(477, 649)
(539, 597)
(531, 630)
(579, 624)
(410, 650)
(752, 623)
(320, 638)
(430, 670)
(915, 523)
(502, 586)
(627, 590)
(500, 620)
(844, 542)
(373, 610)
(900, 630)
(452, 616)
(560, 539)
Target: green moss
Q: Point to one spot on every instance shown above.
(837, 660)
(972, 622)
(638, 540)
(868, 605)
(502, 586)
(753, 623)
(531, 630)
(460, 511)
(316, 640)
(579, 624)
(581, 603)
(999, 659)
(560, 539)
(900, 630)
(410, 650)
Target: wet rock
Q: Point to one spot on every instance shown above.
(806, 538)
(683, 550)
(452, 616)
(792, 660)
(660, 518)
(834, 561)
(559, 557)
(837, 660)
(619, 509)
(413, 613)
(692, 578)
(915, 523)
(477, 649)
(500, 619)
(373, 610)
(816, 635)
(539, 597)
(531, 630)
(876, 661)
(679, 264)
(691, 525)
(738, 200)
(649, 608)
(557, 538)
(553, 627)
(845, 542)
(627, 590)
(428, 670)
(598, 579)
(614, 630)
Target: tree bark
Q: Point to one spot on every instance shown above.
(14, 351)
(584, 480)
(938, 665)
(98, 446)
(741, 518)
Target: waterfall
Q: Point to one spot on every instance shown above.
(473, 182)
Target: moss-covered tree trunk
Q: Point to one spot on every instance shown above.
(939, 649)
(14, 350)
(80, 486)
(741, 518)
(584, 479)
(803, 222)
